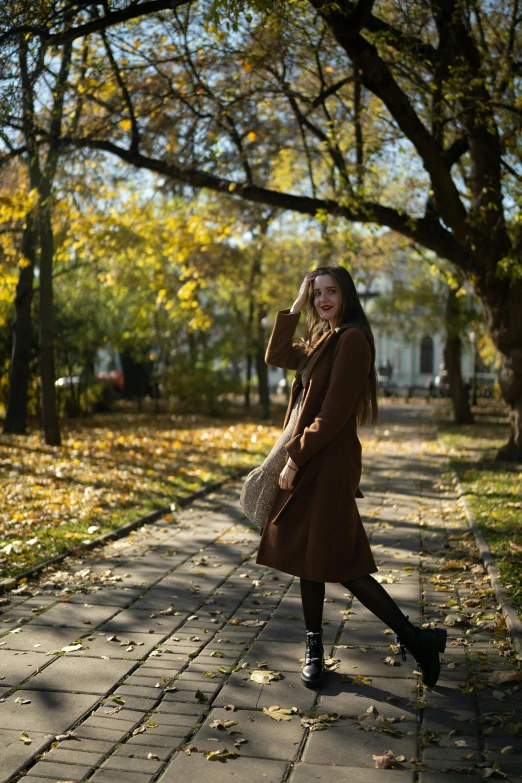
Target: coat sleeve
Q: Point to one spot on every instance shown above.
(281, 351)
(351, 367)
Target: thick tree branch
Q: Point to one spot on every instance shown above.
(455, 151)
(377, 77)
(428, 231)
(111, 18)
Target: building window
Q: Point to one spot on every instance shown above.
(426, 355)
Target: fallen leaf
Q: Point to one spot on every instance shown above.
(331, 664)
(499, 678)
(20, 700)
(222, 724)
(200, 695)
(453, 619)
(279, 713)
(490, 771)
(390, 660)
(385, 761)
(25, 738)
(263, 676)
(69, 735)
(321, 722)
(218, 755)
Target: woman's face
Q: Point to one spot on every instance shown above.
(326, 298)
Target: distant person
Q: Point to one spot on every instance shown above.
(313, 529)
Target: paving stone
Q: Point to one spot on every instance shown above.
(123, 764)
(131, 750)
(265, 737)
(16, 667)
(279, 656)
(288, 692)
(370, 634)
(349, 746)
(451, 759)
(149, 692)
(46, 638)
(311, 773)
(73, 754)
(354, 661)
(93, 675)
(175, 719)
(160, 740)
(390, 697)
(130, 620)
(194, 768)
(54, 711)
(138, 703)
(79, 616)
(60, 772)
(443, 721)
(118, 776)
(113, 596)
(447, 695)
(170, 708)
(84, 745)
(97, 733)
(16, 754)
(99, 645)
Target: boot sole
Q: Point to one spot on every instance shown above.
(440, 637)
(312, 683)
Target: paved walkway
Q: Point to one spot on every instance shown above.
(129, 666)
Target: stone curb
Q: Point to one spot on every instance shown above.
(513, 623)
(120, 532)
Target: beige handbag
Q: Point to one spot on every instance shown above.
(258, 494)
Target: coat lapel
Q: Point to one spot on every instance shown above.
(320, 349)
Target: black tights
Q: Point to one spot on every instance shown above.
(369, 592)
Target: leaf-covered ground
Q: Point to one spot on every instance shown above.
(110, 470)
(494, 492)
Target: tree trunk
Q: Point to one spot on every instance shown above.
(248, 380)
(262, 375)
(452, 356)
(16, 413)
(261, 366)
(50, 421)
(502, 301)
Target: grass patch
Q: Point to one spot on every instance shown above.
(494, 493)
(111, 469)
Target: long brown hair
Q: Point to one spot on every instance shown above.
(350, 312)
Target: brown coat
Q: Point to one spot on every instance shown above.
(314, 530)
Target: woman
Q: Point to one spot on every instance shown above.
(314, 530)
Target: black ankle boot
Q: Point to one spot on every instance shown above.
(425, 644)
(313, 668)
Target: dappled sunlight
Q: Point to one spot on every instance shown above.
(52, 498)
